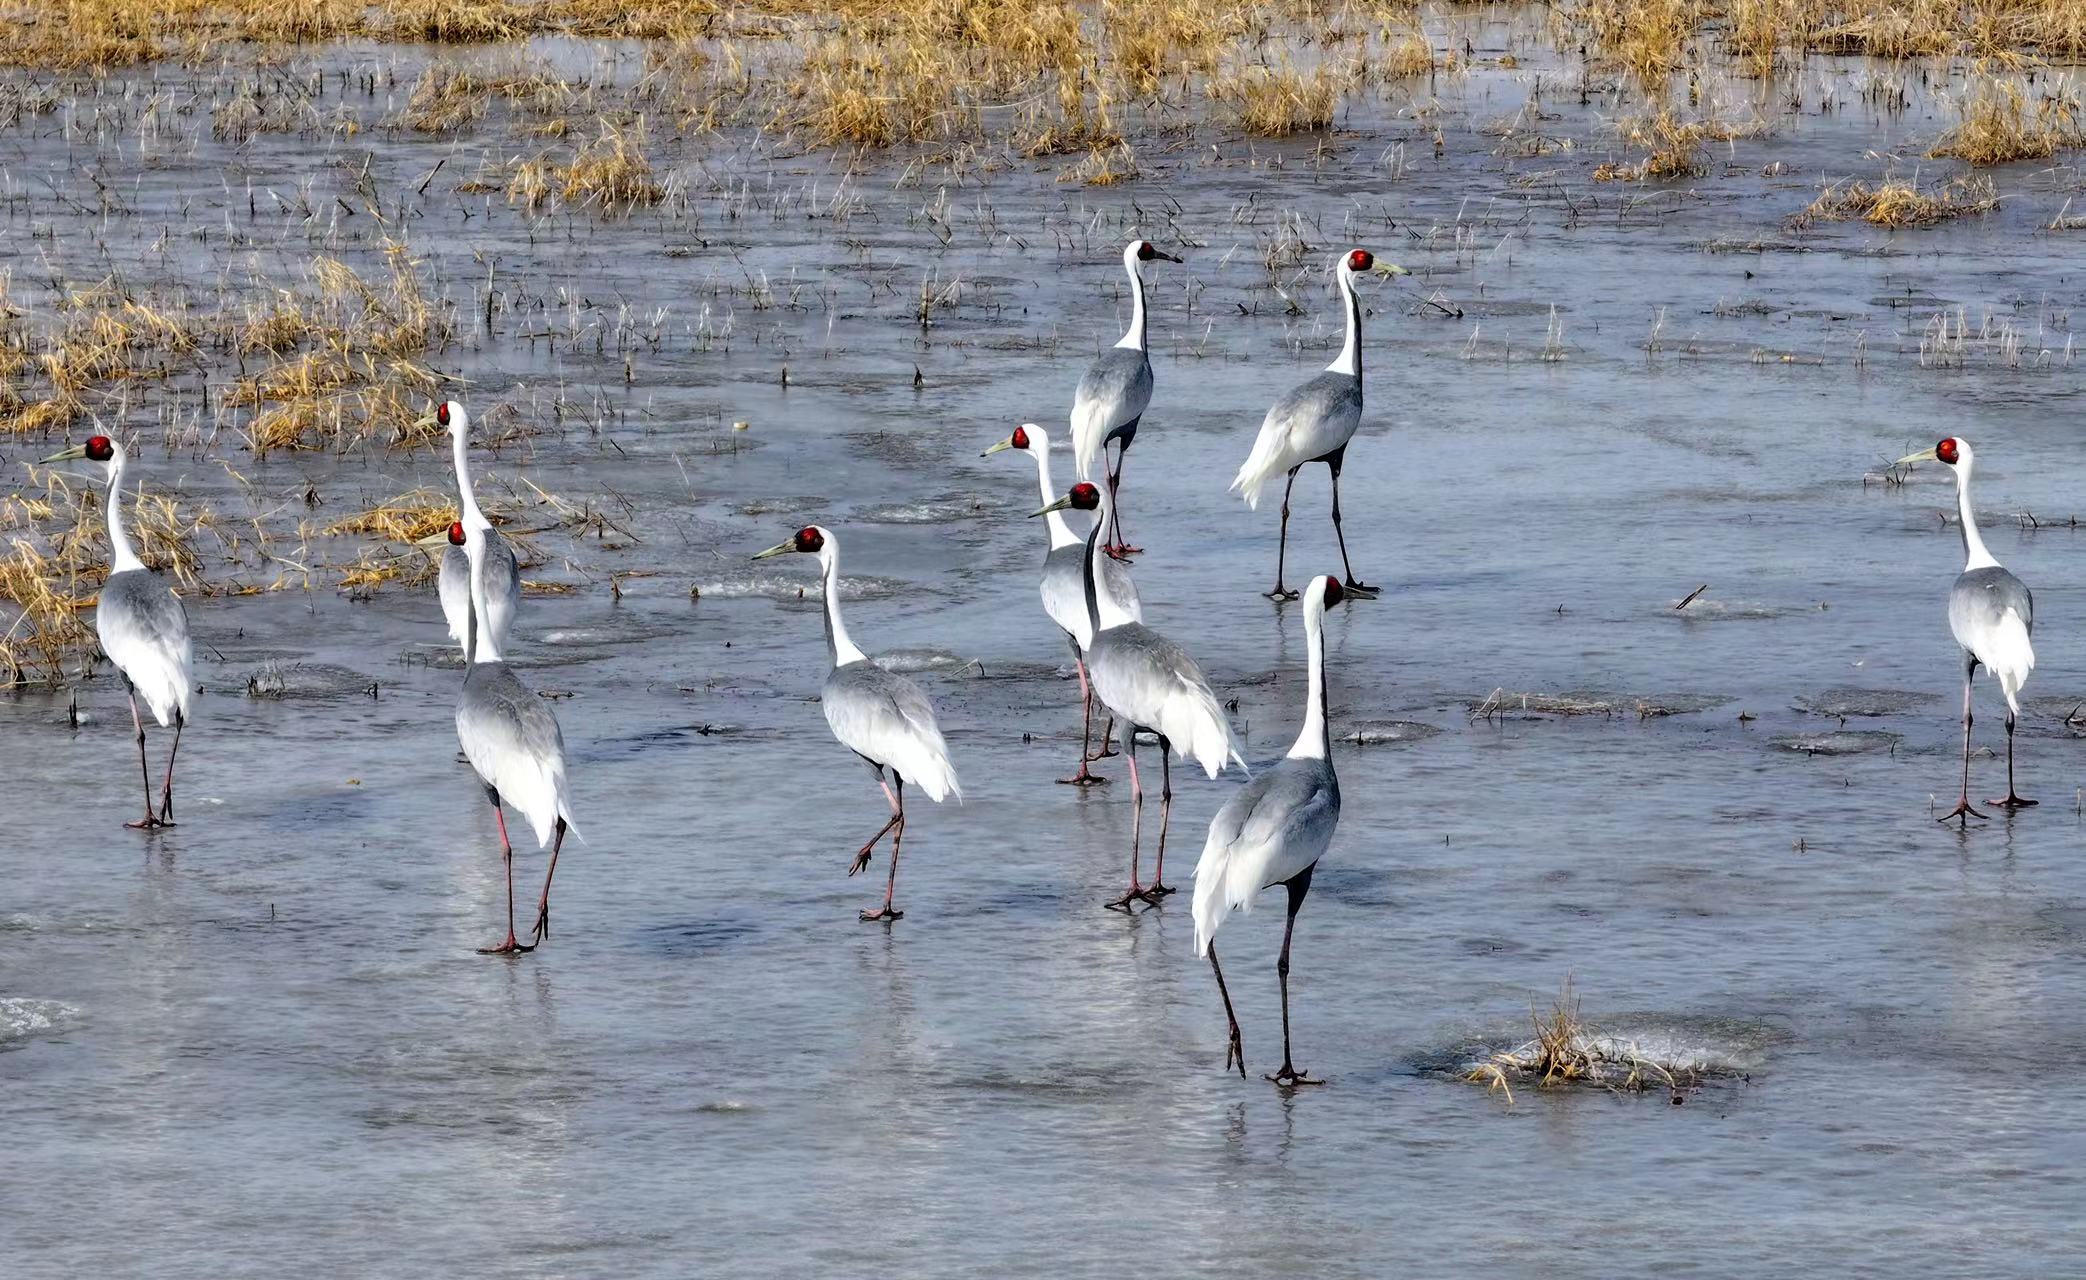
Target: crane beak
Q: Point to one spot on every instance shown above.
(73, 454)
(1391, 269)
(434, 540)
(779, 549)
(1007, 443)
(1169, 257)
(1924, 455)
(1059, 505)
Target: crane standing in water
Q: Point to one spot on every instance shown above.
(1273, 832)
(1991, 613)
(1150, 683)
(514, 743)
(1314, 423)
(143, 629)
(1064, 594)
(879, 715)
(1114, 394)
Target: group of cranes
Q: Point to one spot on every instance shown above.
(1272, 831)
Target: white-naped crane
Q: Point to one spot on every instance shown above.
(1114, 393)
(1315, 422)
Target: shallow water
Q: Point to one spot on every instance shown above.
(263, 1039)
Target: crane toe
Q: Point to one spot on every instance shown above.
(1289, 1077)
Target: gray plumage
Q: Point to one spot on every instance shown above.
(1113, 394)
(1308, 423)
(886, 719)
(1146, 679)
(502, 588)
(1981, 598)
(1991, 613)
(1064, 592)
(513, 741)
(143, 629)
(1153, 683)
(1271, 829)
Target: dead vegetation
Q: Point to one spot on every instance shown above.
(1274, 100)
(1566, 1051)
(1676, 148)
(1899, 203)
(2000, 125)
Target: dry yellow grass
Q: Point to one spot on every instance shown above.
(982, 48)
(1901, 204)
(612, 170)
(1999, 125)
(1273, 100)
(1103, 167)
(1566, 1050)
(1408, 55)
(405, 519)
(1676, 147)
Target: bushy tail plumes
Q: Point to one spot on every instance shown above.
(2013, 657)
(1260, 467)
(1217, 891)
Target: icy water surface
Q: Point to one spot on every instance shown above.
(262, 1040)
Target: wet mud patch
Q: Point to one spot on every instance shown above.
(1354, 885)
(787, 506)
(273, 681)
(698, 937)
(938, 661)
(1842, 703)
(1838, 742)
(1386, 733)
(1706, 609)
(793, 587)
(668, 738)
(947, 509)
(1018, 670)
(1504, 704)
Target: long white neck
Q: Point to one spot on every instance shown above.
(838, 647)
(466, 501)
(1314, 740)
(1134, 338)
(1350, 359)
(1061, 534)
(487, 648)
(1974, 554)
(121, 556)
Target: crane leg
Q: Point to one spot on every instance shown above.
(1234, 1050)
(1158, 888)
(151, 820)
(2014, 799)
(1282, 547)
(543, 903)
(1358, 588)
(1107, 742)
(862, 854)
(511, 946)
(1085, 777)
(1118, 548)
(1963, 809)
(166, 790)
(1299, 885)
(888, 912)
(1136, 893)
